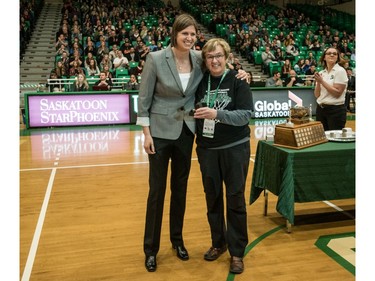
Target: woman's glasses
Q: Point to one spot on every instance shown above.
(217, 57)
(331, 54)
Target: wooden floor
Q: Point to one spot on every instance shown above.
(83, 195)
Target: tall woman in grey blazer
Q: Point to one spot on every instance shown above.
(166, 96)
(170, 79)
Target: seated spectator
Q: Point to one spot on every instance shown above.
(143, 51)
(61, 40)
(306, 66)
(149, 37)
(285, 69)
(275, 80)
(53, 84)
(113, 39)
(132, 83)
(87, 60)
(249, 78)
(267, 57)
(101, 51)
(132, 55)
(315, 46)
(311, 71)
(104, 82)
(235, 64)
(291, 50)
(200, 42)
(113, 53)
(293, 80)
(75, 47)
(78, 42)
(60, 70)
(76, 57)
(107, 71)
(344, 49)
(137, 70)
(298, 66)
(120, 61)
(126, 45)
(92, 69)
(311, 58)
(61, 50)
(279, 55)
(230, 60)
(106, 61)
(153, 46)
(65, 60)
(159, 46)
(75, 69)
(90, 48)
(80, 83)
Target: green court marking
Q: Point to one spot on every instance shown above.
(340, 247)
(231, 276)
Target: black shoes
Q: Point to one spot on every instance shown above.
(182, 253)
(150, 263)
(213, 253)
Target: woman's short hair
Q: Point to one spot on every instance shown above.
(212, 44)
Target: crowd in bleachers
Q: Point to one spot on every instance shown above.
(116, 36)
(272, 37)
(110, 36)
(29, 12)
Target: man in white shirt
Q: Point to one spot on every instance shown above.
(120, 61)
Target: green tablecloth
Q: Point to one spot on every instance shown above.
(321, 172)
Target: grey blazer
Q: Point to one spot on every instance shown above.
(161, 96)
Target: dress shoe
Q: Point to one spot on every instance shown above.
(182, 253)
(236, 265)
(213, 253)
(150, 263)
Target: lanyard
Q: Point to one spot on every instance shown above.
(211, 104)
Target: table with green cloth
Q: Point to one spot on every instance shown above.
(317, 173)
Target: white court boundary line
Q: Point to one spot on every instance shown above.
(38, 230)
(101, 165)
(339, 209)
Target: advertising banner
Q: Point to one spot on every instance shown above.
(78, 110)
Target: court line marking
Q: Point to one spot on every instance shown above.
(38, 230)
(96, 165)
(339, 209)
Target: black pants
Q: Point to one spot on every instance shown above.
(333, 117)
(230, 166)
(179, 152)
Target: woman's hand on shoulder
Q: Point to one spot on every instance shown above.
(242, 74)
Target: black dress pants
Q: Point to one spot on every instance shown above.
(179, 152)
(229, 166)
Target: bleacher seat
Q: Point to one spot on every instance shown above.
(258, 57)
(275, 65)
(121, 72)
(133, 64)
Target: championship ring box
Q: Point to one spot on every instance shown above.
(299, 136)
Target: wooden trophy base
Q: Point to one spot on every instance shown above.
(297, 136)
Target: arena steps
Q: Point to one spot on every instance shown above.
(38, 59)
